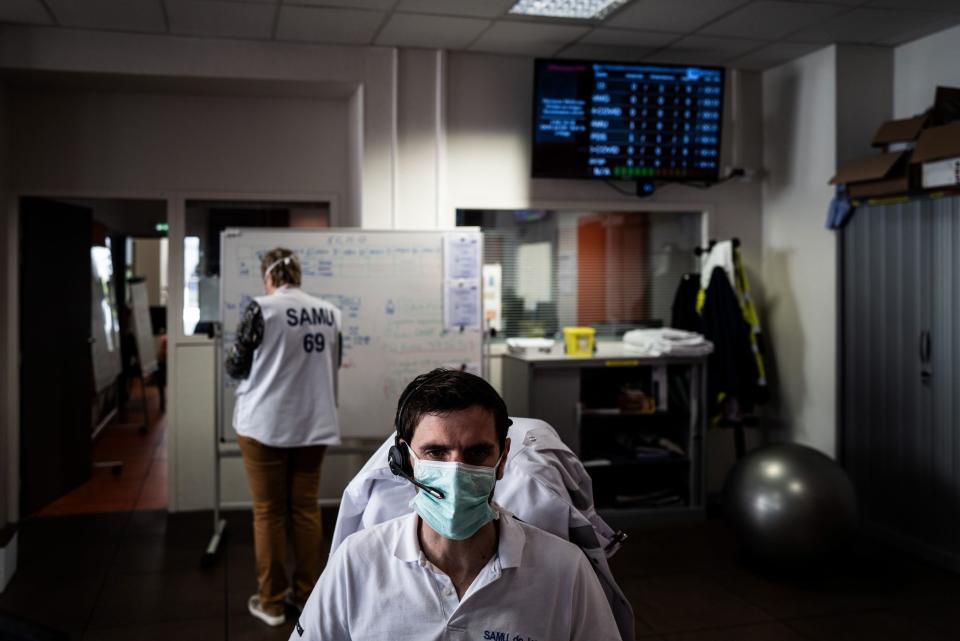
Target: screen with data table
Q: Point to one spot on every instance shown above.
(627, 121)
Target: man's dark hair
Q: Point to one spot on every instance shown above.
(447, 390)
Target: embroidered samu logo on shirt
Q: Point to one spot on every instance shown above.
(494, 635)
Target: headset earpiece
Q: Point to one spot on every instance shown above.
(398, 457)
(399, 461)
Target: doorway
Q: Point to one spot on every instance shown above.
(93, 347)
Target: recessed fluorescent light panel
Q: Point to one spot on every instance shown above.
(583, 9)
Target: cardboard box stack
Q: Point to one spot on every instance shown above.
(938, 154)
(887, 173)
(922, 152)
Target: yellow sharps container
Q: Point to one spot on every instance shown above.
(579, 340)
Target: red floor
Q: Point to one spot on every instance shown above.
(142, 484)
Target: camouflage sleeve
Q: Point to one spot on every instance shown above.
(249, 336)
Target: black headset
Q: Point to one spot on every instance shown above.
(398, 458)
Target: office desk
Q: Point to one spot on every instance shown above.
(578, 397)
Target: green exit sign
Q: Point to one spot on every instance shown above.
(162, 227)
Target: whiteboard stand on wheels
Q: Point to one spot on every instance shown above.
(146, 346)
(410, 302)
(219, 524)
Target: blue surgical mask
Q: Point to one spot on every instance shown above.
(465, 506)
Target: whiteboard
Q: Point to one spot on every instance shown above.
(142, 329)
(389, 288)
(104, 326)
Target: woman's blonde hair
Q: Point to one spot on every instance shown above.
(284, 272)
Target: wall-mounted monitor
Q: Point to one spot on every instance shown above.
(612, 120)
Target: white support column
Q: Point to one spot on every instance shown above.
(176, 219)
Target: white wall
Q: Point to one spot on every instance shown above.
(421, 141)
(364, 77)
(118, 141)
(799, 254)
(818, 111)
(864, 98)
(920, 66)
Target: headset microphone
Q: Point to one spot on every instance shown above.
(395, 459)
(398, 456)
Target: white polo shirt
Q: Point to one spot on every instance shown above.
(378, 585)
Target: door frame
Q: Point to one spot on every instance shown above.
(175, 201)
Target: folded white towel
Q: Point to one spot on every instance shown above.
(666, 341)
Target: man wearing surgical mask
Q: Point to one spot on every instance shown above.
(459, 566)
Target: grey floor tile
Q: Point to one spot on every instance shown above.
(159, 597)
(641, 628)
(18, 627)
(243, 627)
(154, 554)
(655, 553)
(786, 599)
(759, 632)
(67, 560)
(39, 534)
(147, 523)
(687, 602)
(874, 626)
(54, 603)
(943, 616)
(197, 630)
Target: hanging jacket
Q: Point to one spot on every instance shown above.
(742, 286)
(732, 368)
(684, 312)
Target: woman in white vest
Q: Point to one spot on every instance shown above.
(287, 353)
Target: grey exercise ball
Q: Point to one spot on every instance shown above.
(789, 504)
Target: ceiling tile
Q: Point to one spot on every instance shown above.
(24, 12)
(381, 5)
(121, 15)
(221, 19)
(475, 8)
(947, 6)
(771, 20)
(629, 38)
(772, 55)
(528, 38)
(605, 52)
(880, 26)
(671, 15)
(433, 32)
(935, 24)
(848, 3)
(706, 50)
(329, 26)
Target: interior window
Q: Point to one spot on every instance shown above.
(545, 270)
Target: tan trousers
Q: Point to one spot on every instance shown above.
(284, 481)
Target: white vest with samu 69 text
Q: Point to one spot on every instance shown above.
(288, 398)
